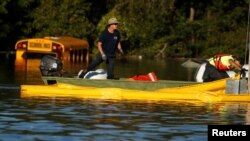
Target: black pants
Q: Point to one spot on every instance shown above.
(110, 63)
(211, 73)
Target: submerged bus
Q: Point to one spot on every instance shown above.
(65, 48)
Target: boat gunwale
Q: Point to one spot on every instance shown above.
(119, 83)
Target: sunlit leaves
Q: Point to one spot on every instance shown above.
(62, 18)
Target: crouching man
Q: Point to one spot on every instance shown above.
(218, 67)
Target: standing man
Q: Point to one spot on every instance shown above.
(108, 42)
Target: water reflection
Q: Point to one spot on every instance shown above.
(74, 119)
(86, 119)
(26, 71)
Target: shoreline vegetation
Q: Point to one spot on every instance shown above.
(161, 28)
(130, 56)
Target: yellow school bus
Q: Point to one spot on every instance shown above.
(66, 48)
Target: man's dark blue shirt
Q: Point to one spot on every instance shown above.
(109, 42)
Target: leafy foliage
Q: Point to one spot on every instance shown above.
(189, 28)
(62, 18)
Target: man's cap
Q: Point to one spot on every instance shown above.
(112, 21)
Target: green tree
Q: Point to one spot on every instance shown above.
(189, 28)
(142, 22)
(13, 18)
(3, 11)
(226, 27)
(62, 18)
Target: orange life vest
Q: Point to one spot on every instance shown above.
(219, 64)
(148, 77)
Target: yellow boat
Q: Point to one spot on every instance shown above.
(205, 92)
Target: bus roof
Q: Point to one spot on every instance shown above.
(67, 42)
(70, 42)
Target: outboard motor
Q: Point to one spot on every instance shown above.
(51, 66)
(238, 86)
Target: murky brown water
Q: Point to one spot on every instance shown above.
(33, 119)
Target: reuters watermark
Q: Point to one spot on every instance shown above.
(241, 132)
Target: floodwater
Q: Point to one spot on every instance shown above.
(53, 119)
